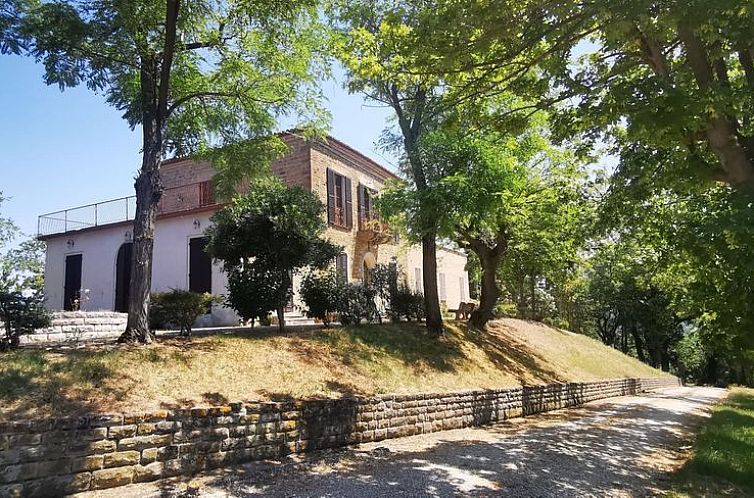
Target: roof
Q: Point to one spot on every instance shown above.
(329, 144)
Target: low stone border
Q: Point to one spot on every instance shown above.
(67, 455)
(78, 326)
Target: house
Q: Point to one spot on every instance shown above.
(88, 258)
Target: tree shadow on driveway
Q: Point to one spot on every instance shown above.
(611, 449)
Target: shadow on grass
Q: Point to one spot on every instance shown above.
(32, 381)
(70, 381)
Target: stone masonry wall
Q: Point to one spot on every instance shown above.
(67, 455)
(74, 326)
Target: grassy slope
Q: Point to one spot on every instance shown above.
(723, 460)
(247, 366)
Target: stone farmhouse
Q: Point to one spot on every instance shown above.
(88, 258)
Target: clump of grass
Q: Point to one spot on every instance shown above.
(723, 460)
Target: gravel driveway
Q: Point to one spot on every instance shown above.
(621, 447)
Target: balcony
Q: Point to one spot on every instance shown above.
(175, 200)
(374, 230)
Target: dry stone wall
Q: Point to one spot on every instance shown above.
(67, 455)
(75, 326)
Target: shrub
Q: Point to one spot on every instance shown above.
(356, 303)
(20, 315)
(321, 291)
(179, 307)
(406, 304)
(253, 292)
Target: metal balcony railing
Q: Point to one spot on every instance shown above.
(174, 200)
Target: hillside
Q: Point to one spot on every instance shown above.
(247, 365)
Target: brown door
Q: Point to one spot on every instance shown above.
(123, 277)
(200, 266)
(72, 285)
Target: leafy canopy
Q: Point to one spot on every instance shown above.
(233, 68)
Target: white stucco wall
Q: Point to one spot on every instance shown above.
(99, 250)
(451, 266)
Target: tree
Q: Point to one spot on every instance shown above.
(374, 50)
(21, 285)
(487, 190)
(676, 76)
(204, 78)
(274, 230)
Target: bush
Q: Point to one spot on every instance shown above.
(253, 292)
(20, 315)
(356, 304)
(179, 307)
(405, 303)
(321, 291)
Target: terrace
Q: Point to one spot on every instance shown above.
(175, 200)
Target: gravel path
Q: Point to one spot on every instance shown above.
(622, 447)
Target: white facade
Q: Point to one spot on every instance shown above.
(99, 250)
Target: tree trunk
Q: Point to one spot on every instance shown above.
(148, 192)
(639, 345)
(721, 131)
(431, 296)
(490, 291)
(154, 79)
(281, 318)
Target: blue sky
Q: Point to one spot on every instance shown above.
(65, 149)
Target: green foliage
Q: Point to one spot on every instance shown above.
(269, 233)
(407, 304)
(356, 304)
(21, 267)
(254, 291)
(19, 315)
(232, 69)
(180, 307)
(21, 285)
(692, 357)
(321, 291)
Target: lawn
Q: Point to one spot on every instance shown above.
(248, 365)
(723, 460)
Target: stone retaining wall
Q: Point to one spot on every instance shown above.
(75, 326)
(49, 457)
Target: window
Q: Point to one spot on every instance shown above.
(339, 203)
(418, 280)
(206, 194)
(341, 266)
(443, 296)
(366, 206)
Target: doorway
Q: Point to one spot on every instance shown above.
(72, 283)
(123, 277)
(200, 266)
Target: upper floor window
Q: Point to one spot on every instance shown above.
(367, 211)
(339, 201)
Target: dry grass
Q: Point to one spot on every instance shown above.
(246, 366)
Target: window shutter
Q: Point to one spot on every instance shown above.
(348, 202)
(360, 197)
(341, 263)
(330, 196)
